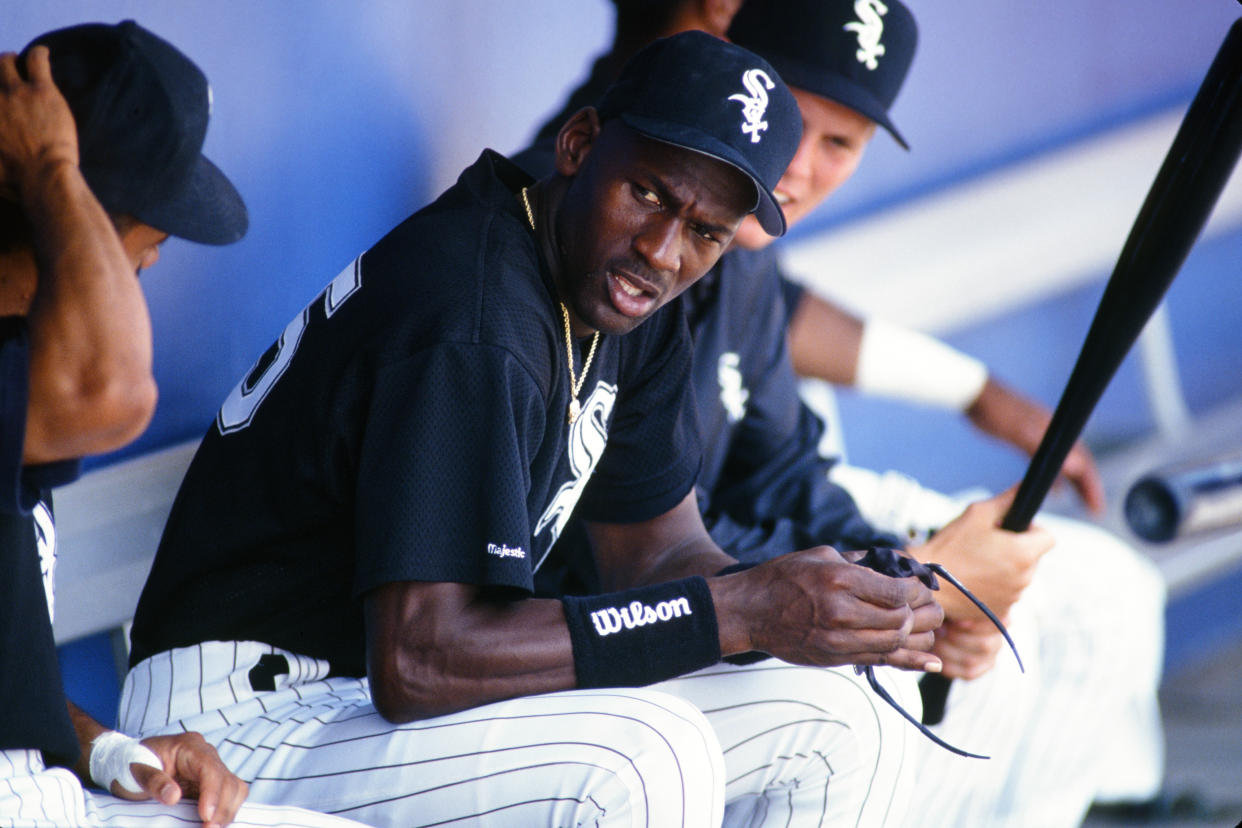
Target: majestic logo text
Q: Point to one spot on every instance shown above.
(501, 550)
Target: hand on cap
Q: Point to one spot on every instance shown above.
(37, 131)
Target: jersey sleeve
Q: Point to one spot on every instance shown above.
(653, 455)
(444, 470)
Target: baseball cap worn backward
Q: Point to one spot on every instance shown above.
(854, 52)
(696, 91)
(141, 109)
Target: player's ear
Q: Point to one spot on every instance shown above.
(718, 14)
(574, 141)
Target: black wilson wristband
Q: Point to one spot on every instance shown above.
(644, 635)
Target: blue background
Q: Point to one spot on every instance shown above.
(336, 120)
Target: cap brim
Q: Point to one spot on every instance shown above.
(209, 210)
(839, 88)
(766, 209)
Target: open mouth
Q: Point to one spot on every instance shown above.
(630, 296)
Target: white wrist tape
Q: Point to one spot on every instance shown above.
(898, 362)
(111, 755)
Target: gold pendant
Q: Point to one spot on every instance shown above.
(574, 409)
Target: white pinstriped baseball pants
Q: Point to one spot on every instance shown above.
(785, 745)
(34, 796)
(1084, 721)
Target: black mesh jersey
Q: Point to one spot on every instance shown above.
(410, 424)
(32, 713)
(763, 489)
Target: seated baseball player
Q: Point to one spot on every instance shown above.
(764, 490)
(88, 193)
(341, 601)
(1091, 618)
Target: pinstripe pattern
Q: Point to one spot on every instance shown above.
(805, 746)
(32, 796)
(614, 757)
(786, 745)
(1100, 646)
(35, 797)
(1084, 720)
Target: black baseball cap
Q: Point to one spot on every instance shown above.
(854, 52)
(141, 109)
(701, 93)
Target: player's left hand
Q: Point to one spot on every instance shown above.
(967, 648)
(1009, 416)
(193, 769)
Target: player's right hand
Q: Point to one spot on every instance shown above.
(816, 608)
(37, 132)
(192, 768)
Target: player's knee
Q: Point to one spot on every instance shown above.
(655, 753)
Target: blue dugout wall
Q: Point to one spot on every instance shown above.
(337, 119)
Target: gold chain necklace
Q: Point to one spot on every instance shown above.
(575, 385)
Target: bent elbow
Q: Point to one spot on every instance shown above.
(406, 688)
(77, 421)
(115, 414)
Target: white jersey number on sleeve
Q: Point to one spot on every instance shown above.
(244, 400)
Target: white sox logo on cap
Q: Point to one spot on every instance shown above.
(755, 104)
(869, 28)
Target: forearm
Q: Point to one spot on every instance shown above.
(824, 340)
(698, 556)
(441, 648)
(674, 545)
(91, 386)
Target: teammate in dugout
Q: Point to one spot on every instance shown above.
(341, 599)
(100, 132)
(1092, 646)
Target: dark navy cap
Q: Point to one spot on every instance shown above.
(141, 109)
(854, 52)
(701, 93)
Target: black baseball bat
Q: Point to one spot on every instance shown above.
(1185, 189)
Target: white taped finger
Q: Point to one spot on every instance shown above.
(111, 755)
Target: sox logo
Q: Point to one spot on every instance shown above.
(755, 104)
(733, 393)
(45, 541)
(869, 28)
(587, 438)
